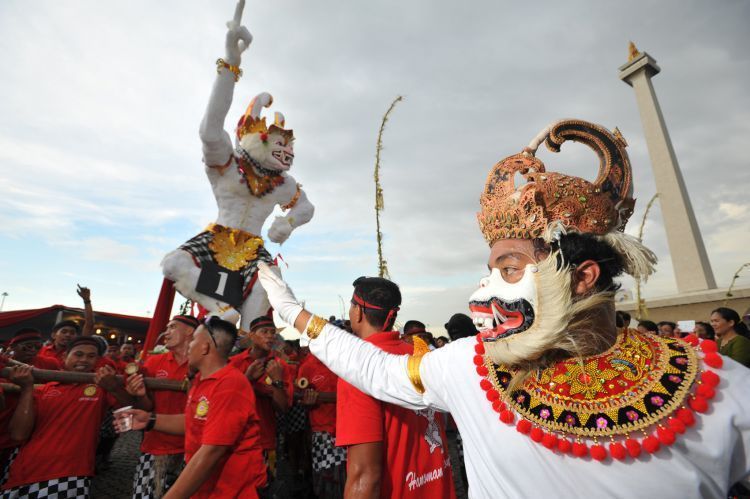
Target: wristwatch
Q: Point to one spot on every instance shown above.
(151, 422)
(278, 384)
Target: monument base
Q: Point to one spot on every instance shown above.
(696, 305)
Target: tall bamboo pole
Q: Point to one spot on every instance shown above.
(382, 264)
(641, 309)
(734, 279)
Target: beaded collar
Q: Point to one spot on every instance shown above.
(638, 394)
(259, 180)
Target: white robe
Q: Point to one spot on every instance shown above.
(500, 462)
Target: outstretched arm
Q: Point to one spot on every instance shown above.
(217, 145)
(405, 380)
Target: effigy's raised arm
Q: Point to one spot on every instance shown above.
(217, 144)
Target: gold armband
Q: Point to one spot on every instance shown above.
(221, 63)
(412, 365)
(291, 204)
(412, 369)
(315, 326)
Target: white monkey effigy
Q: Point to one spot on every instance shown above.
(218, 267)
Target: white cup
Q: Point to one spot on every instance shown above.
(124, 422)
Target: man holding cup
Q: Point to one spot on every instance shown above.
(222, 436)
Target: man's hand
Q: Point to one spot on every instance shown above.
(309, 397)
(281, 297)
(238, 36)
(254, 370)
(274, 370)
(105, 377)
(135, 386)
(21, 376)
(84, 293)
(140, 420)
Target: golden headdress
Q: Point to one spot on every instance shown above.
(251, 122)
(547, 204)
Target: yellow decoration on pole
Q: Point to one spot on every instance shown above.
(379, 205)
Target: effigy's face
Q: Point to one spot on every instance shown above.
(275, 153)
(517, 308)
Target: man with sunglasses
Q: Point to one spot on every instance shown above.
(272, 378)
(220, 424)
(161, 458)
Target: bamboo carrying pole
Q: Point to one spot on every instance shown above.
(45, 376)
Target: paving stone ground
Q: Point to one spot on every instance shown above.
(116, 482)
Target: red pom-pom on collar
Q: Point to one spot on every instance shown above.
(676, 425)
(692, 339)
(580, 449)
(264, 137)
(564, 445)
(634, 447)
(686, 416)
(665, 436)
(713, 359)
(523, 426)
(549, 441)
(507, 416)
(598, 452)
(618, 451)
(651, 444)
(710, 378)
(709, 346)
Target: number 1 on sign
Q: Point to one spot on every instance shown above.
(222, 283)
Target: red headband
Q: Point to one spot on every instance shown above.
(392, 312)
(31, 335)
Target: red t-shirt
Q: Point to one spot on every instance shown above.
(221, 411)
(65, 434)
(49, 363)
(415, 450)
(165, 402)
(264, 394)
(49, 351)
(321, 379)
(11, 401)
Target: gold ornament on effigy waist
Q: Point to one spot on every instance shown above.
(233, 248)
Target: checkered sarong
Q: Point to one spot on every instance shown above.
(69, 487)
(460, 446)
(198, 247)
(6, 468)
(294, 420)
(155, 474)
(325, 454)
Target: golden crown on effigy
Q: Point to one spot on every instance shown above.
(251, 122)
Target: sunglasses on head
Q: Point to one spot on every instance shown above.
(207, 325)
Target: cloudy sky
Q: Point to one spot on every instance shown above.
(101, 100)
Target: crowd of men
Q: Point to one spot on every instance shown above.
(252, 399)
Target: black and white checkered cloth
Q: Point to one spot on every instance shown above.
(198, 247)
(460, 446)
(69, 487)
(294, 420)
(325, 454)
(146, 483)
(6, 468)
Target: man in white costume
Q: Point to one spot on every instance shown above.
(551, 399)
